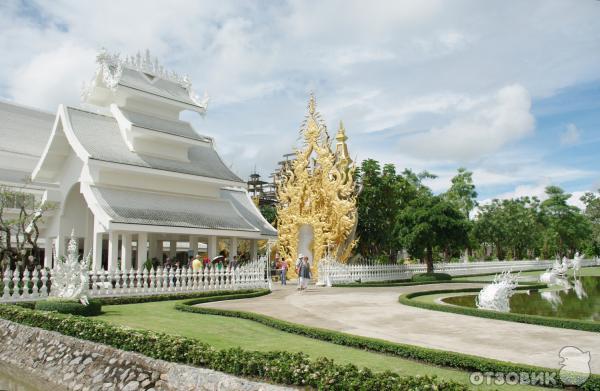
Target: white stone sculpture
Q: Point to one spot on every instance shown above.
(496, 296)
(576, 263)
(558, 272)
(70, 277)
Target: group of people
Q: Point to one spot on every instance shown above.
(302, 269)
(198, 263)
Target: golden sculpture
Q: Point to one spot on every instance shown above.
(318, 190)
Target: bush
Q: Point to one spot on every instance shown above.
(520, 318)
(411, 352)
(276, 366)
(70, 307)
(220, 295)
(427, 277)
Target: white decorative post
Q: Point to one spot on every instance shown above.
(234, 248)
(60, 246)
(48, 252)
(172, 249)
(125, 251)
(113, 250)
(253, 249)
(194, 245)
(97, 250)
(142, 250)
(212, 247)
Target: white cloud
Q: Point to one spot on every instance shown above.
(570, 136)
(457, 71)
(54, 77)
(492, 124)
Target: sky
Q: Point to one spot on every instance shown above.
(509, 89)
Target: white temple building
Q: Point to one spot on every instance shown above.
(130, 175)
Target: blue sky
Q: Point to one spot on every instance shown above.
(506, 88)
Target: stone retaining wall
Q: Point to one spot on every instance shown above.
(75, 364)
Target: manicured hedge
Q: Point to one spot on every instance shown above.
(276, 366)
(431, 356)
(426, 277)
(521, 318)
(70, 307)
(182, 295)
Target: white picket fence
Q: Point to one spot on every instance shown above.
(333, 272)
(139, 283)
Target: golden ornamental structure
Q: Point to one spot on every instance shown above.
(316, 215)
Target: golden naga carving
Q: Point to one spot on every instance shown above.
(318, 190)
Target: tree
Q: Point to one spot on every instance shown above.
(592, 212)
(565, 225)
(431, 222)
(384, 193)
(462, 191)
(20, 216)
(508, 226)
(269, 212)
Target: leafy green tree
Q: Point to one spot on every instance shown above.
(565, 225)
(383, 194)
(269, 212)
(431, 222)
(462, 191)
(592, 212)
(510, 227)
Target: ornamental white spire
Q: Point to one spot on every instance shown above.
(111, 66)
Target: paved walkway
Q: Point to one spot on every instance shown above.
(375, 312)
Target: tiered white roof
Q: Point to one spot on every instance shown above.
(139, 164)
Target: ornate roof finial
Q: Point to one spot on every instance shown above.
(312, 104)
(341, 134)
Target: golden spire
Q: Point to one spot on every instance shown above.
(318, 190)
(341, 149)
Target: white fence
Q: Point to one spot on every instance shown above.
(332, 272)
(36, 285)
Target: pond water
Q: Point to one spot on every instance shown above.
(580, 299)
(19, 380)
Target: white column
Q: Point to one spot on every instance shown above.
(88, 241)
(152, 250)
(126, 251)
(233, 249)
(172, 249)
(48, 252)
(113, 250)
(142, 249)
(212, 247)
(194, 245)
(60, 245)
(97, 248)
(253, 249)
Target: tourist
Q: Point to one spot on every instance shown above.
(283, 267)
(304, 273)
(197, 264)
(234, 262)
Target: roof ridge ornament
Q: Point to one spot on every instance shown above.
(111, 65)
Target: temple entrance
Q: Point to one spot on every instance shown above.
(306, 241)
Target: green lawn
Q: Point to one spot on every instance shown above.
(225, 332)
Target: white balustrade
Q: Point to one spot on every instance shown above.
(19, 286)
(332, 272)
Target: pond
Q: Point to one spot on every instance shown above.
(19, 380)
(580, 299)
